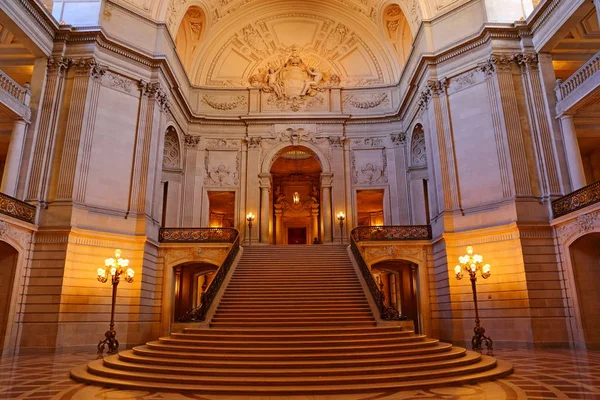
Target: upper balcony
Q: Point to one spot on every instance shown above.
(577, 200)
(14, 97)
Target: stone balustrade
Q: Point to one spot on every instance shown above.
(578, 86)
(577, 200)
(15, 97)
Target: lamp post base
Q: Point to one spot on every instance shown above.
(480, 338)
(110, 341)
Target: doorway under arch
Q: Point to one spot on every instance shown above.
(296, 174)
(8, 265)
(585, 259)
(398, 281)
(191, 281)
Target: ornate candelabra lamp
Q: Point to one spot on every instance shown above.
(250, 218)
(473, 263)
(115, 267)
(341, 217)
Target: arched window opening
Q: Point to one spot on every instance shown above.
(398, 32)
(189, 35)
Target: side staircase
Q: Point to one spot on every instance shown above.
(293, 320)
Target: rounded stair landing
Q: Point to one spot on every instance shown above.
(280, 331)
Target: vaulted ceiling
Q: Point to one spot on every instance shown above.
(224, 43)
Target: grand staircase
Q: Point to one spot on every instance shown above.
(293, 320)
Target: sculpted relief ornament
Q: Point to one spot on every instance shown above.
(291, 83)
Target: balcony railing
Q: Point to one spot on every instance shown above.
(577, 200)
(397, 232)
(383, 233)
(22, 94)
(17, 209)
(197, 235)
(582, 84)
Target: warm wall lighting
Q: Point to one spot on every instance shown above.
(115, 267)
(250, 218)
(296, 198)
(473, 263)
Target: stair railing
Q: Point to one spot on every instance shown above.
(387, 313)
(206, 235)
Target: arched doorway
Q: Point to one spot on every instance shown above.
(585, 259)
(296, 175)
(8, 263)
(191, 281)
(398, 281)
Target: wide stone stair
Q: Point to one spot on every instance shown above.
(293, 320)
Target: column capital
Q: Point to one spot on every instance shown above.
(264, 181)
(326, 180)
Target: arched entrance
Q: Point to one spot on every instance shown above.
(8, 263)
(191, 281)
(398, 281)
(585, 259)
(296, 176)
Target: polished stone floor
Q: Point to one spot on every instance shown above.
(539, 374)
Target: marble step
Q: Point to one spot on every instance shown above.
(304, 345)
(279, 336)
(444, 352)
(487, 368)
(165, 366)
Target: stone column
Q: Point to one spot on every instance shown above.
(314, 213)
(326, 183)
(265, 208)
(278, 225)
(13, 158)
(574, 162)
(252, 189)
(338, 189)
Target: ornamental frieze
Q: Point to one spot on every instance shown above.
(224, 103)
(366, 102)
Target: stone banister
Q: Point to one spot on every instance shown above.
(14, 96)
(578, 86)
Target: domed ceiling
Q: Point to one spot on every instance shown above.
(238, 43)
